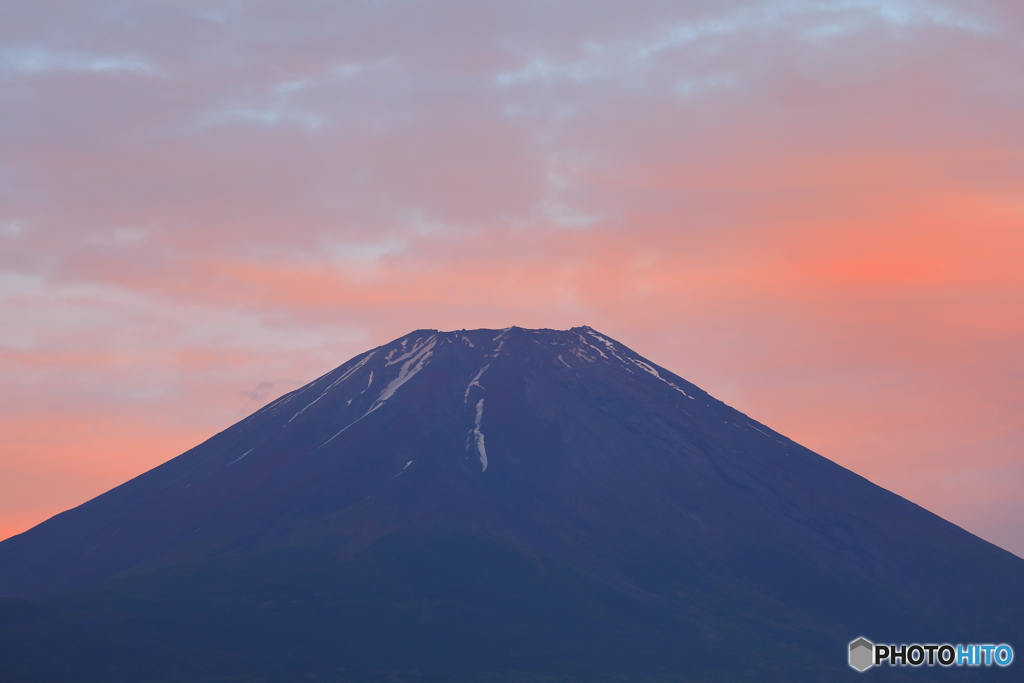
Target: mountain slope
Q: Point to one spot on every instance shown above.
(513, 504)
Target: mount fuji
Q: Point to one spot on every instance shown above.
(496, 505)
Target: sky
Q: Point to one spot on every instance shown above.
(814, 210)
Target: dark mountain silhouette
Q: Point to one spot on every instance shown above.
(513, 505)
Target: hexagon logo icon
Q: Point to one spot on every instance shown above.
(862, 654)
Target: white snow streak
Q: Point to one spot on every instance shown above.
(239, 457)
(340, 431)
(475, 383)
(276, 405)
(644, 366)
(273, 405)
(348, 373)
(578, 352)
(431, 340)
(611, 347)
(563, 362)
(351, 370)
(417, 359)
(757, 430)
(392, 352)
(501, 344)
(478, 436)
(584, 340)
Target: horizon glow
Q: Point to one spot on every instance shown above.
(813, 211)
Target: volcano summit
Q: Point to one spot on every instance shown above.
(495, 505)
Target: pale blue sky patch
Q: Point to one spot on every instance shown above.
(540, 69)
(563, 216)
(36, 60)
(269, 117)
(119, 237)
(12, 228)
(347, 253)
(688, 87)
(896, 12)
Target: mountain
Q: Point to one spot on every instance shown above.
(496, 505)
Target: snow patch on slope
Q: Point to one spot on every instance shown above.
(478, 436)
(475, 382)
(501, 344)
(610, 346)
(415, 360)
(239, 457)
(751, 425)
(345, 375)
(414, 351)
(584, 340)
(275, 406)
(644, 366)
(578, 352)
(418, 358)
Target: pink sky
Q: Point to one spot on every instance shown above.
(812, 210)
